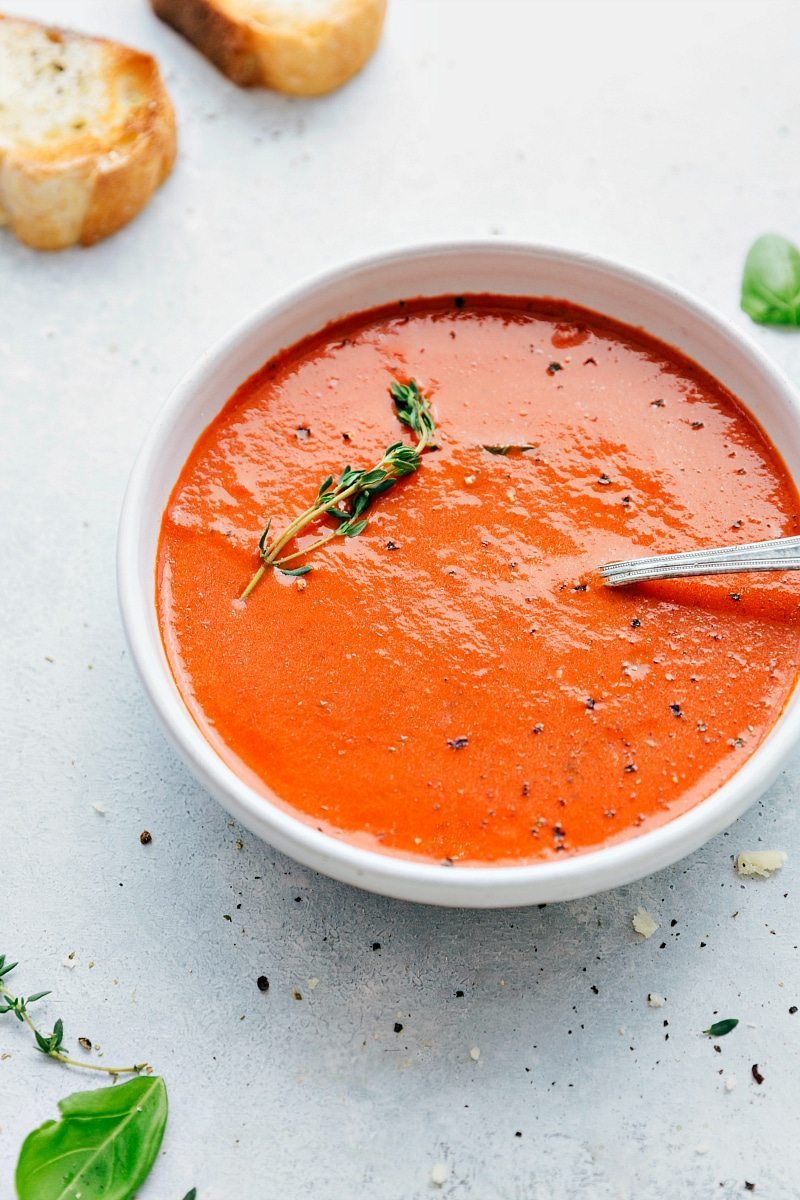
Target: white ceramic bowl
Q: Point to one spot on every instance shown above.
(434, 270)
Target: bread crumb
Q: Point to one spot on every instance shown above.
(312, 984)
(99, 808)
(440, 1173)
(475, 1053)
(760, 863)
(69, 961)
(730, 1083)
(655, 1001)
(643, 923)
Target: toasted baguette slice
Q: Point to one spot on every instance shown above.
(87, 133)
(304, 47)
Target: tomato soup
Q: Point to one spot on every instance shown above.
(456, 683)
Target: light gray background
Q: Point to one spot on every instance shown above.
(663, 134)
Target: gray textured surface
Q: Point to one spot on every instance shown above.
(663, 134)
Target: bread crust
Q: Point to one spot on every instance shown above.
(86, 188)
(301, 57)
(225, 42)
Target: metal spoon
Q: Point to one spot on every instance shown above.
(778, 554)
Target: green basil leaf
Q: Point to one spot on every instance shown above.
(102, 1148)
(720, 1028)
(771, 281)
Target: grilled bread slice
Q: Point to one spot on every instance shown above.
(304, 47)
(87, 133)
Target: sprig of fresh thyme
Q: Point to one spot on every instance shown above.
(348, 498)
(50, 1044)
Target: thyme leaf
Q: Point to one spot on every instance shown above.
(720, 1028)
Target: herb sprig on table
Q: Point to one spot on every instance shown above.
(348, 498)
(107, 1139)
(50, 1044)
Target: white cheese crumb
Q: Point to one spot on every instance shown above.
(759, 862)
(99, 808)
(475, 1053)
(643, 923)
(655, 1001)
(69, 961)
(701, 1149)
(312, 984)
(440, 1173)
(730, 1083)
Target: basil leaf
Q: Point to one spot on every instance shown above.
(103, 1146)
(720, 1028)
(771, 281)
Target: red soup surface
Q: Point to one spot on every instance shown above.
(455, 683)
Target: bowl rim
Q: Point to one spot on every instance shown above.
(393, 875)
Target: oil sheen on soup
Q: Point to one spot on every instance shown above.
(455, 683)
